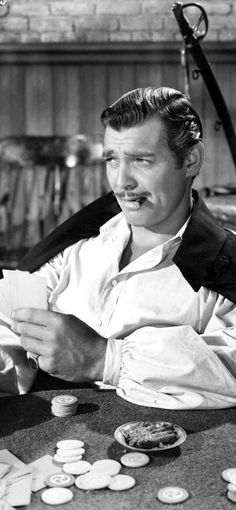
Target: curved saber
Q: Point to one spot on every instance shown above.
(191, 40)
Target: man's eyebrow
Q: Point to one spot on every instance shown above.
(107, 153)
(132, 154)
(139, 153)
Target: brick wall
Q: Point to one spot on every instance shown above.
(26, 21)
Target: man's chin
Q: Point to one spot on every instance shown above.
(135, 218)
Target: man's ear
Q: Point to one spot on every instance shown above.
(194, 160)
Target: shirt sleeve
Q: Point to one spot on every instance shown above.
(55, 269)
(176, 367)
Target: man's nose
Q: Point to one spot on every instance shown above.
(125, 176)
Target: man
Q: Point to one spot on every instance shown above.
(141, 305)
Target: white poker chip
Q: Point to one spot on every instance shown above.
(64, 400)
(106, 466)
(64, 406)
(232, 496)
(66, 460)
(60, 480)
(92, 481)
(77, 468)
(135, 459)
(172, 495)
(70, 453)
(229, 475)
(63, 413)
(231, 487)
(59, 409)
(70, 444)
(57, 496)
(121, 483)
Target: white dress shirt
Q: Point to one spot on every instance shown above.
(168, 346)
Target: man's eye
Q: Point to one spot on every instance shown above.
(142, 162)
(111, 162)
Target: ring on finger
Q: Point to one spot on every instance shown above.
(33, 360)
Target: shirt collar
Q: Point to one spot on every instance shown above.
(119, 221)
(117, 231)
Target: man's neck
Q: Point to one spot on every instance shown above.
(143, 239)
(140, 244)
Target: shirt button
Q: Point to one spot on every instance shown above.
(114, 282)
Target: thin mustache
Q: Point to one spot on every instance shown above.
(130, 194)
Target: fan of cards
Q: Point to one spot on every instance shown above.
(20, 289)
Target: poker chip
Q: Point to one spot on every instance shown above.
(63, 414)
(92, 481)
(57, 496)
(121, 483)
(106, 466)
(70, 444)
(66, 460)
(229, 475)
(232, 496)
(65, 400)
(77, 468)
(135, 459)
(70, 453)
(64, 405)
(172, 495)
(60, 480)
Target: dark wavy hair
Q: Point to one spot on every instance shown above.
(182, 123)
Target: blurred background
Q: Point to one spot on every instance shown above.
(61, 63)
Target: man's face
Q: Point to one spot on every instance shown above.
(143, 174)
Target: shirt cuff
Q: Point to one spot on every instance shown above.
(112, 361)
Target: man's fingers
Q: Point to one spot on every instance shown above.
(33, 345)
(34, 315)
(32, 330)
(46, 359)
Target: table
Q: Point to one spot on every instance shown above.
(29, 431)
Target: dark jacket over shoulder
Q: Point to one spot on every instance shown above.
(206, 256)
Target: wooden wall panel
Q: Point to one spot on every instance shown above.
(47, 91)
(12, 100)
(38, 100)
(62, 91)
(65, 97)
(99, 97)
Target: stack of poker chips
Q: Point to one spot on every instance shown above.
(64, 405)
(229, 475)
(69, 451)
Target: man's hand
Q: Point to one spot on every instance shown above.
(67, 347)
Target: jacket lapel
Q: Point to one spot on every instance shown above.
(206, 256)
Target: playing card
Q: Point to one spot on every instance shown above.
(20, 289)
(18, 480)
(4, 468)
(31, 290)
(5, 320)
(41, 469)
(9, 278)
(18, 491)
(5, 305)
